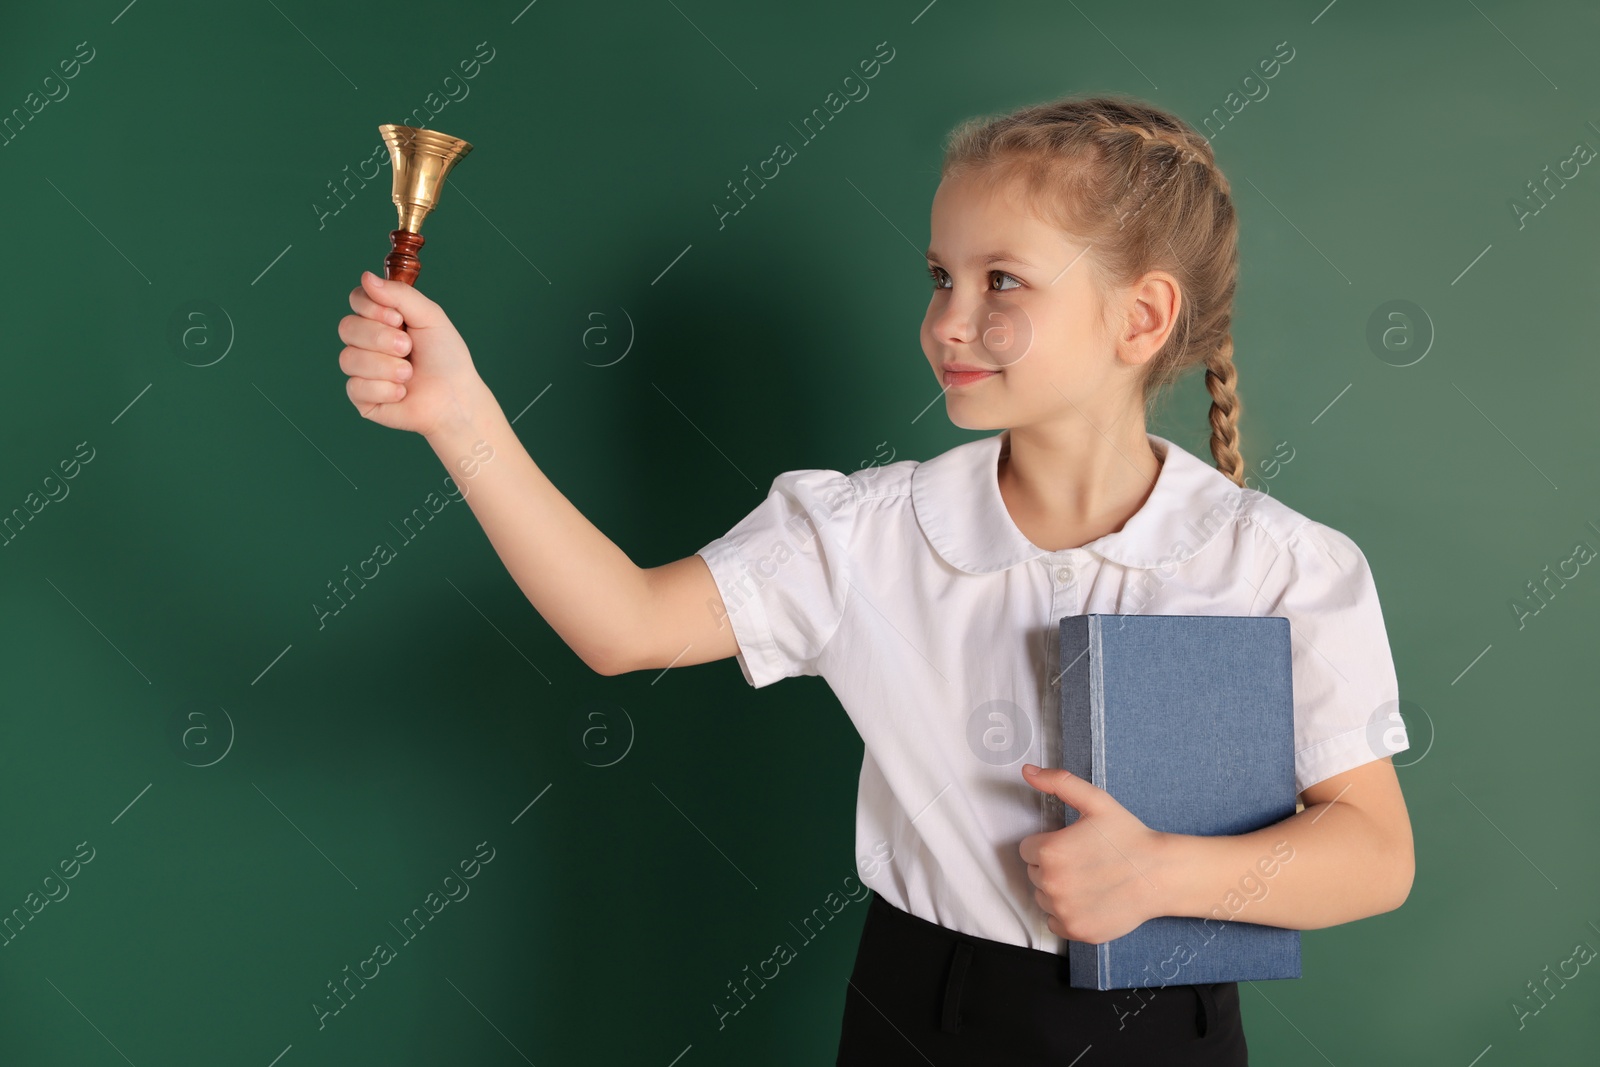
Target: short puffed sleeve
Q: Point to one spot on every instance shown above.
(1346, 694)
(784, 573)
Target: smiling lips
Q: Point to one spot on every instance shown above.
(956, 374)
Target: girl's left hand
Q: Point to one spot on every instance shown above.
(1100, 877)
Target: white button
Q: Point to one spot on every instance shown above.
(1064, 574)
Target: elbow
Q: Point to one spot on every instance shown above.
(1405, 877)
(610, 664)
(1402, 868)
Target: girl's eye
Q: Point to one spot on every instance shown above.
(940, 279)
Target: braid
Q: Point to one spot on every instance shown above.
(1221, 379)
(1182, 145)
(1221, 376)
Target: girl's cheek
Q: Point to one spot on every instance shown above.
(1008, 333)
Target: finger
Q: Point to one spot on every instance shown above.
(417, 309)
(1080, 794)
(368, 391)
(364, 363)
(1031, 848)
(361, 332)
(365, 306)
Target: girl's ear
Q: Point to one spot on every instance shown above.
(1150, 313)
(1123, 322)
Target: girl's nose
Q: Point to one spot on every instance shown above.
(958, 321)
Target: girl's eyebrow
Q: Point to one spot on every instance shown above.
(992, 257)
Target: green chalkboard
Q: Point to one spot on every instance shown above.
(221, 795)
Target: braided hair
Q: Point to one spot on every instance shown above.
(1141, 187)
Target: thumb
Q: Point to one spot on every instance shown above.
(1079, 793)
(417, 310)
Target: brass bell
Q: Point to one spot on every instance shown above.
(421, 160)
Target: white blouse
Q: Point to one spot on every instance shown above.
(936, 623)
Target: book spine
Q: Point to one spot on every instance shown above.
(1097, 735)
(1076, 731)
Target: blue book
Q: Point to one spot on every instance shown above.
(1188, 721)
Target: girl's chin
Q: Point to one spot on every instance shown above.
(966, 419)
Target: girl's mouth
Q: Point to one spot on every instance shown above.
(953, 378)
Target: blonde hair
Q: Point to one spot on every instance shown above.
(1141, 187)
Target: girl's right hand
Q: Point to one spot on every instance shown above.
(409, 369)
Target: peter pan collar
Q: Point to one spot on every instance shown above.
(956, 496)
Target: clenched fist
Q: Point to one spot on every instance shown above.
(409, 369)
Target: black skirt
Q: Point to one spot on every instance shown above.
(922, 994)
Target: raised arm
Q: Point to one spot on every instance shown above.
(615, 615)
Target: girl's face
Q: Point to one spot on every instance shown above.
(1013, 296)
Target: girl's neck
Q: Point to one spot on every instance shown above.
(1065, 487)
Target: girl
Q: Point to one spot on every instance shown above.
(1083, 256)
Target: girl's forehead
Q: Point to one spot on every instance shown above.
(965, 201)
(977, 187)
(976, 219)
(966, 196)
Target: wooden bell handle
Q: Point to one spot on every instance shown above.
(402, 264)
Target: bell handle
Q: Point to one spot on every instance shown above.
(402, 264)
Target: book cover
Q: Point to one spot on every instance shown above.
(1188, 721)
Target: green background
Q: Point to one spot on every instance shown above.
(160, 615)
